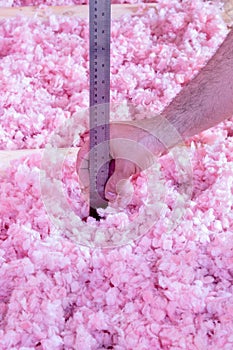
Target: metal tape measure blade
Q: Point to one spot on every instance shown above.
(100, 26)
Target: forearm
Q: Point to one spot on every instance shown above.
(208, 98)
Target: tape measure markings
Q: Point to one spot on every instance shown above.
(100, 27)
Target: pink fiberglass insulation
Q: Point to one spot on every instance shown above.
(164, 291)
(9, 3)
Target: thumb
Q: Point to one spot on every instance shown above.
(123, 170)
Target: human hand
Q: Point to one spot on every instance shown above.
(131, 146)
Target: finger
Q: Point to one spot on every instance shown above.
(123, 170)
(82, 165)
(82, 154)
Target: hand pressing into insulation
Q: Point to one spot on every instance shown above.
(133, 149)
(204, 102)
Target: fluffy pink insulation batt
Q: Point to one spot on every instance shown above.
(164, 291)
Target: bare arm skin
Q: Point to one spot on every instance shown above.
(208, 98)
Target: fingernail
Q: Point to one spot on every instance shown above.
(111, 195)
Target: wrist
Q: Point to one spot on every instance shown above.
(151, 142)
(140, 132)
(159, 133)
